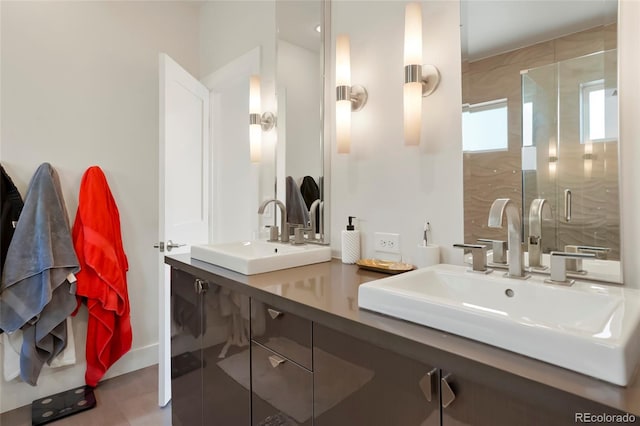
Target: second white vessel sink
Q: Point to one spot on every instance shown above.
(256, 257)
(589, 328)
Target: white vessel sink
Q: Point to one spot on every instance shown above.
(256, 257)
(589, 328)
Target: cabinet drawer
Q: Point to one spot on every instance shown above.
(284, 333)
(282, 390)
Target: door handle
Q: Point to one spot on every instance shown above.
(447, 394)
(276, 360)
(172, 245)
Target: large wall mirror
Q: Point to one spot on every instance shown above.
(300, 91)
(281, 42)
(540, 122)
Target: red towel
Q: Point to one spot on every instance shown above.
(102, 279)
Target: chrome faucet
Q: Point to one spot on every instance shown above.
(538, 212)
(496, 215)
(478, 257)
(312, 217)
(575, 265)
(558, 263)
(284, 226)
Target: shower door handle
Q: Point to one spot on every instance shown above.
(567, 205)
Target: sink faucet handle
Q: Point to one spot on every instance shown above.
(559, 265)
(478, 256)
(273, 233)
(575, 265)
(499, 248)
(299, 233)
(600, 252)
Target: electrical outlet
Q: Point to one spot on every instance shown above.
(386, 242)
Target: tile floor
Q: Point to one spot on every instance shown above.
(127, 400)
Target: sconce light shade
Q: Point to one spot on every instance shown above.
(255, 128)
(343, 103)
(413, 34)
(343, 60)
(257, 122)
(416, 84)
(348, 98)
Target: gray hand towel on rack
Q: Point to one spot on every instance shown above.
(35, 292)
(297, 212)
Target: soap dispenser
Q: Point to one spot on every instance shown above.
(350, 243)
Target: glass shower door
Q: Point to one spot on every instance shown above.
(570, 151)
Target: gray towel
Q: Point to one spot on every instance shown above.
(34, 292)
(297, 212)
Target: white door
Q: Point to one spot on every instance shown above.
(184, 187)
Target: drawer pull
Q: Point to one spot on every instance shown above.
(273, 313)
(276, 360)
(448, 396)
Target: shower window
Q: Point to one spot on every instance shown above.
(599, 118)
(485, 126)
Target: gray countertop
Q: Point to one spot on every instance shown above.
(327, 293)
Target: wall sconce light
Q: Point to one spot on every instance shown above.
(588, 158)
(419, 80)
(348, 98)
(258, 122)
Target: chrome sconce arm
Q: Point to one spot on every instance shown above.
(267, 120)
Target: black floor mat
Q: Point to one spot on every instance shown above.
(63, 404)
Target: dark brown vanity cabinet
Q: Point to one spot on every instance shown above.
(282, 391)
(237, 361)
(209, 370)
(284, 333)
(357, 383)
(281, 367)
(511, 402)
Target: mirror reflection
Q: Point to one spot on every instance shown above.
(299, 70)
(540, 127)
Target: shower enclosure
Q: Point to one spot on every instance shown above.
(570, 151)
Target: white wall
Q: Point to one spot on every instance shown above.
(299, 74)
(389, 186)
(80, 87)
(629, 70)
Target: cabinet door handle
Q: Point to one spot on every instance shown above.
(427, 384)
(273, 313)
(200, 286)
(447, 394)
(276, 360)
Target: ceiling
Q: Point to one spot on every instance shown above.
(297, 21)
(492, 27)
